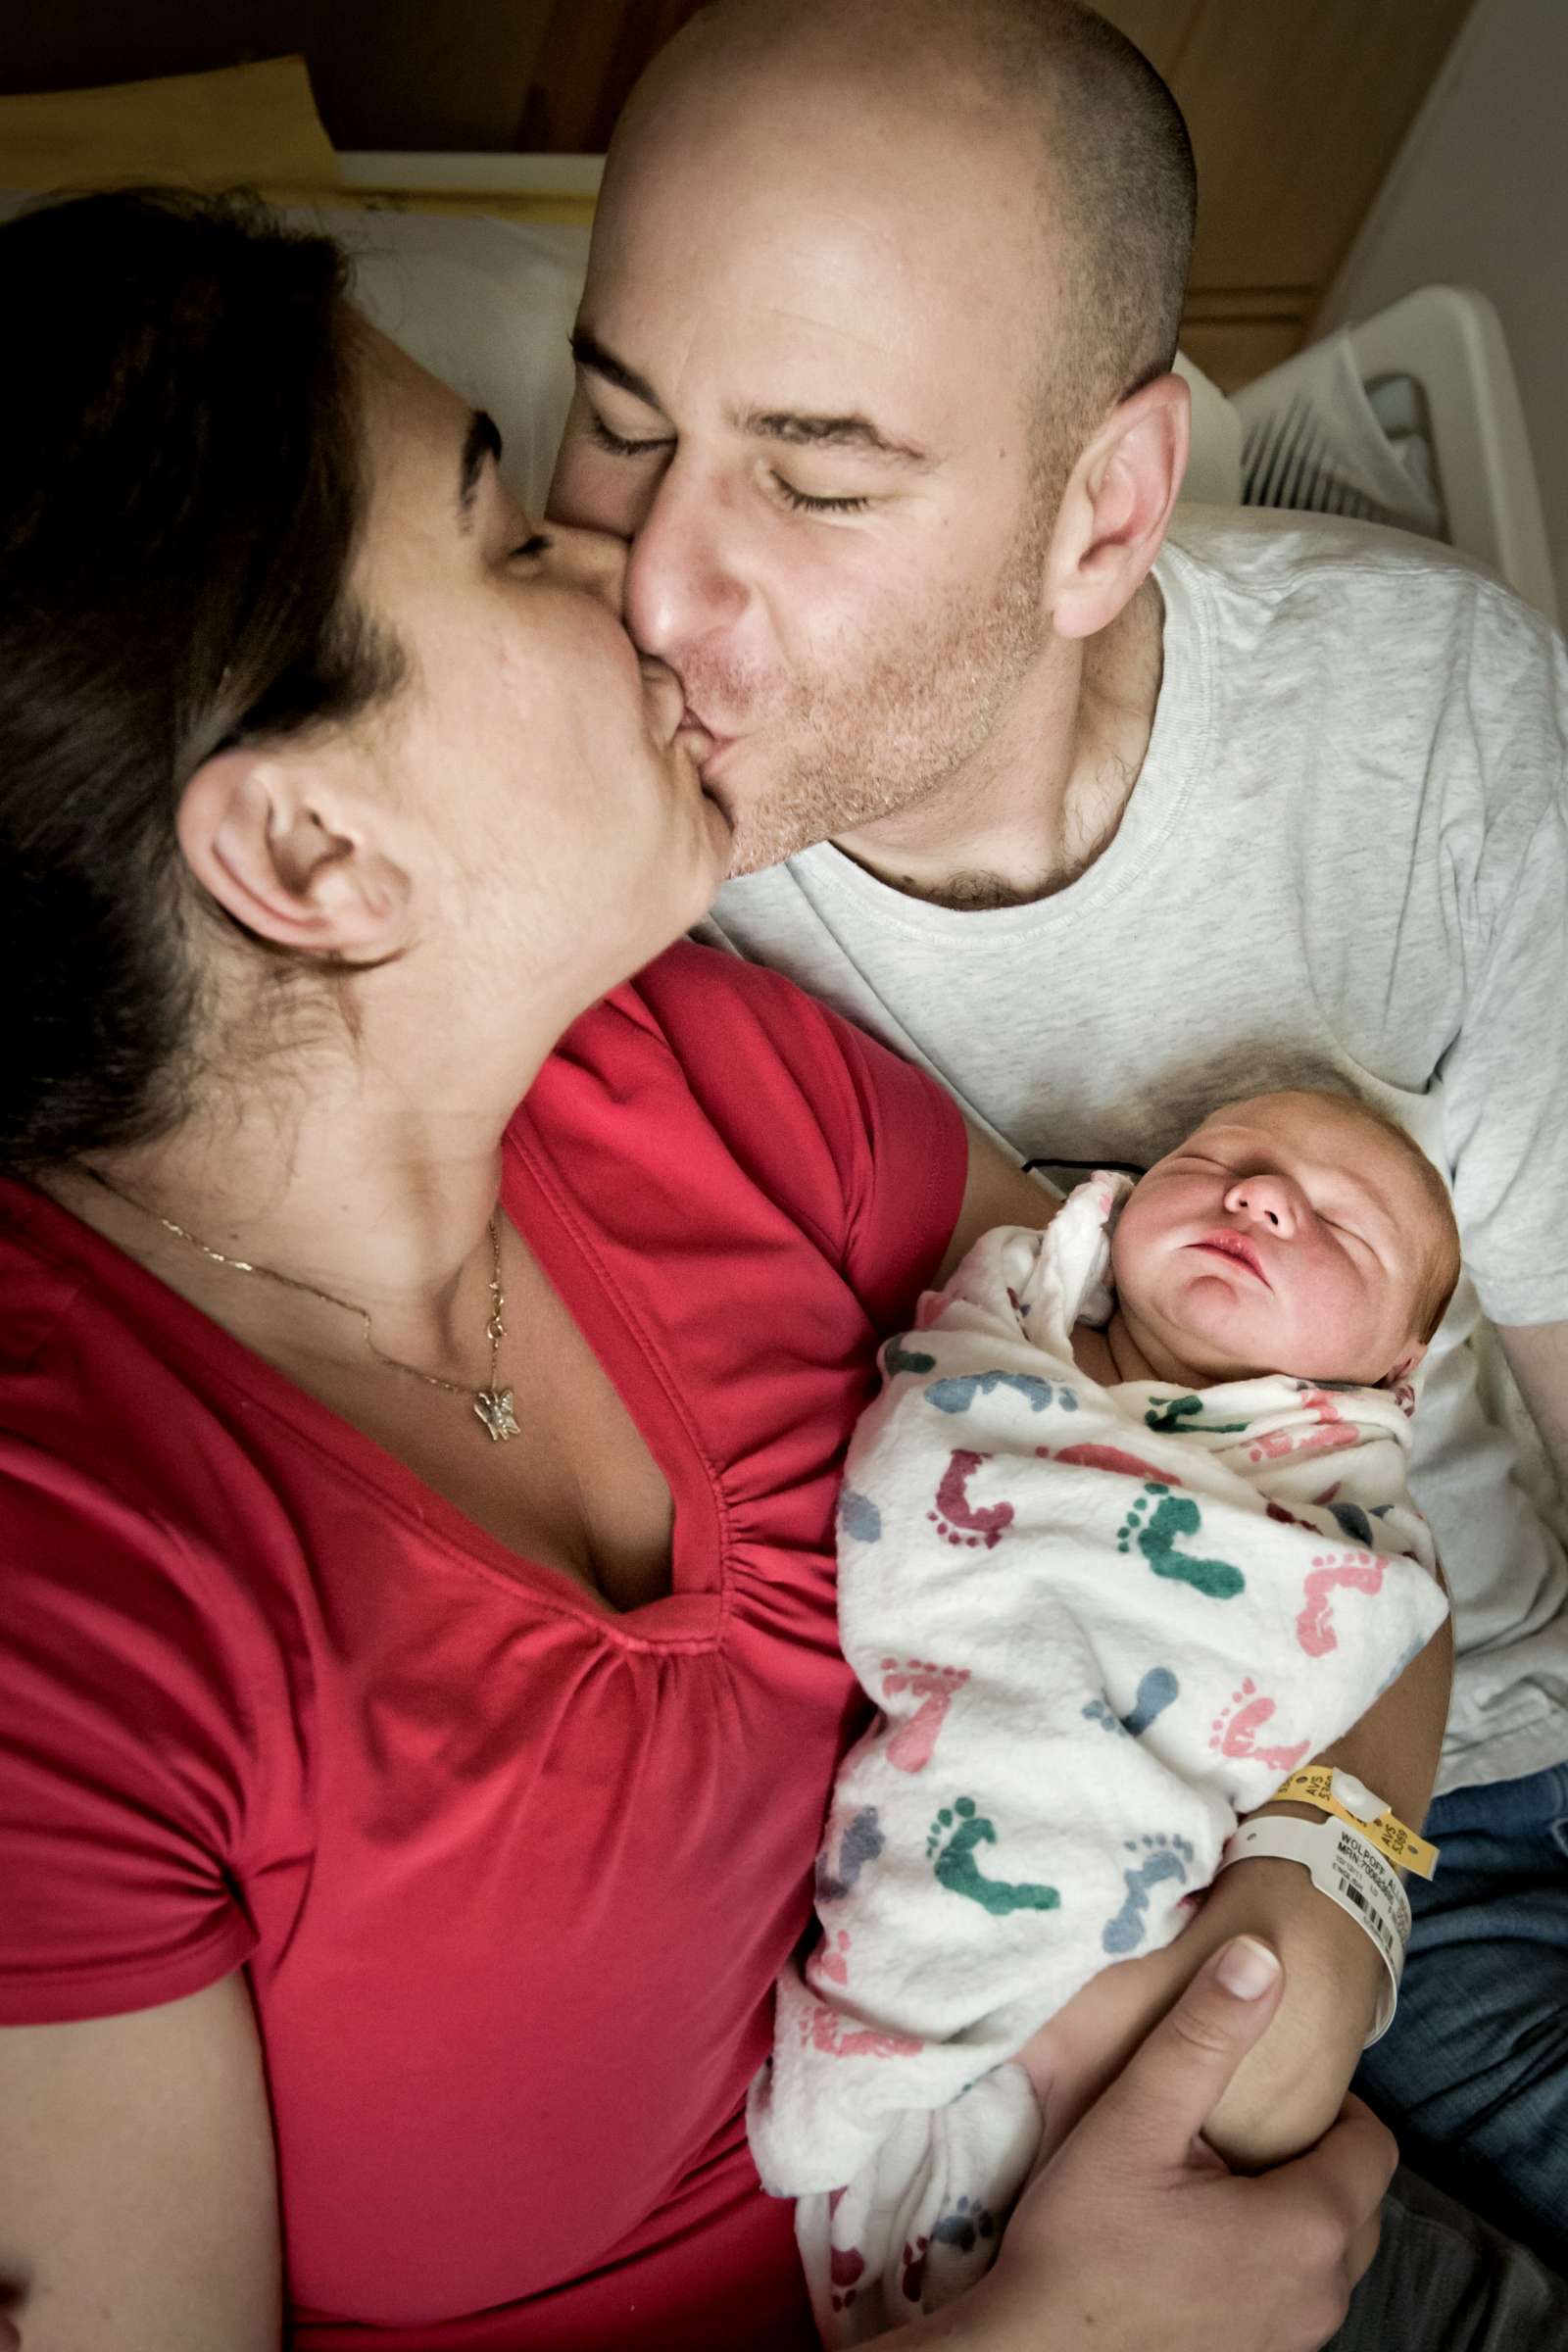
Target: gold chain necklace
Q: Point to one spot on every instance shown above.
(491, 1404)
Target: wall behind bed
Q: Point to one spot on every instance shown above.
(1297, 107)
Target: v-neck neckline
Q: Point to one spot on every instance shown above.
(693, 1610)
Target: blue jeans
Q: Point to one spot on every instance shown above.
(1473, 2074)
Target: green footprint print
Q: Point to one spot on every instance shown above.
(950, 1845)
(1175, 1516)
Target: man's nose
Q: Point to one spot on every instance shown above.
(592, 560)
(682, 584)
(1271, 1202)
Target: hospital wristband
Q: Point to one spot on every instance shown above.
(1349, 1800)
(1350, 1872)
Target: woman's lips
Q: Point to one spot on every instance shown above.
(1240, 1252)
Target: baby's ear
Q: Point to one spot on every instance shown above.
(1406, 1364)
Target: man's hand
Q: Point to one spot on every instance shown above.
(1135, 2234)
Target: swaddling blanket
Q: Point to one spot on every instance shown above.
(1099, 1623)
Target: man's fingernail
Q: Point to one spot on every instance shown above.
(1247, 1968)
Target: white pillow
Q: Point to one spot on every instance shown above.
(487, 305)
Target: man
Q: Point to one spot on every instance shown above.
(1102, 826)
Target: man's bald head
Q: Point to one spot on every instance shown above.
(1114, 187)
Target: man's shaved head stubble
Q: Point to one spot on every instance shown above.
(1073, 270)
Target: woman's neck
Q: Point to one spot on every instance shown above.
(381, 1198)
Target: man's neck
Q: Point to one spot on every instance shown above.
(1043, 801)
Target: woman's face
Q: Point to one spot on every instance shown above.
(551, 791)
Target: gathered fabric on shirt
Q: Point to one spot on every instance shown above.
(511, 1874)
(1344, 860)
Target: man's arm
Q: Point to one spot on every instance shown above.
(1538, 1357)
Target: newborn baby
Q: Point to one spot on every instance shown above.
(1107, 1588)
(1294, 1233)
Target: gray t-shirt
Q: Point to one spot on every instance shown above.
(1347, 856)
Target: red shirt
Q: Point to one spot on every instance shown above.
(512, 1875)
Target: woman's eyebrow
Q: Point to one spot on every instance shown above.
(482, 440)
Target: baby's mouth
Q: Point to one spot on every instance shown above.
(1239, 1250)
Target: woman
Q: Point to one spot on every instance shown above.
(420, 1690)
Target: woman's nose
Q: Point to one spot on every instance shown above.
(1268, 1200)
(592, 560)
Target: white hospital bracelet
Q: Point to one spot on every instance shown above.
(1350, 1872)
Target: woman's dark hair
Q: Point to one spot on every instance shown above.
(180, 494)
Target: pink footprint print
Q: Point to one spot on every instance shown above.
(1333, 1432)
(1233, 1731)
(959, 1520)
(1111, 1458)
(834, 2035)
(832, 1958)
(1334, 1572)
(911, 1745)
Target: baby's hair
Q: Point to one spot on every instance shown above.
(1443, 1272)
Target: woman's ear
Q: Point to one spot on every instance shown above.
(1116, 507)
(292, 852)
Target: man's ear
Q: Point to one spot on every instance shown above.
(292, 853)
(1116, 507)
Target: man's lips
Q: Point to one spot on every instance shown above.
(1238, 1250)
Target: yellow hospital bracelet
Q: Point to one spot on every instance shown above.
(1350, 1800)
(1350, 1872)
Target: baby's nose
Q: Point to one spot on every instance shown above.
(1268, 1200)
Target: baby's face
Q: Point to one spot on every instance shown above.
(1288, 1233)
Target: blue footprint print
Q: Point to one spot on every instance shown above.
(858, 1516)
(1154, 1695)
(862, 1843)
(957, 1394)
(964, 2222)
(1175, 1516)
(1158, 1858)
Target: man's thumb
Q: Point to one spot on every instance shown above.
(1174, 2082)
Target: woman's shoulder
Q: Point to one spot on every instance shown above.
(709, 1082)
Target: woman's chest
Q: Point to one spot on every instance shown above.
(515, 1972)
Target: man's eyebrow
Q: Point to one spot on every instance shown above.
(796, 427)
(589, 352)
(850, 431)
(482, 440)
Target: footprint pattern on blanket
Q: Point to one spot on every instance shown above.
(1334, 1572)
(1329, 1433)
(862, 1843)
(1168, 1415)
(957, 1393)
(1110, 1458)
(831, 1959)
(1155, 1859)
(963, 2224)
(858, 1516)
(897, 1358)
(910, 1748)
(1156, 1534)
(1235, 1729)
(837, 2037)
(1155, 1692)
(956, 1518)
(950, 1847)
